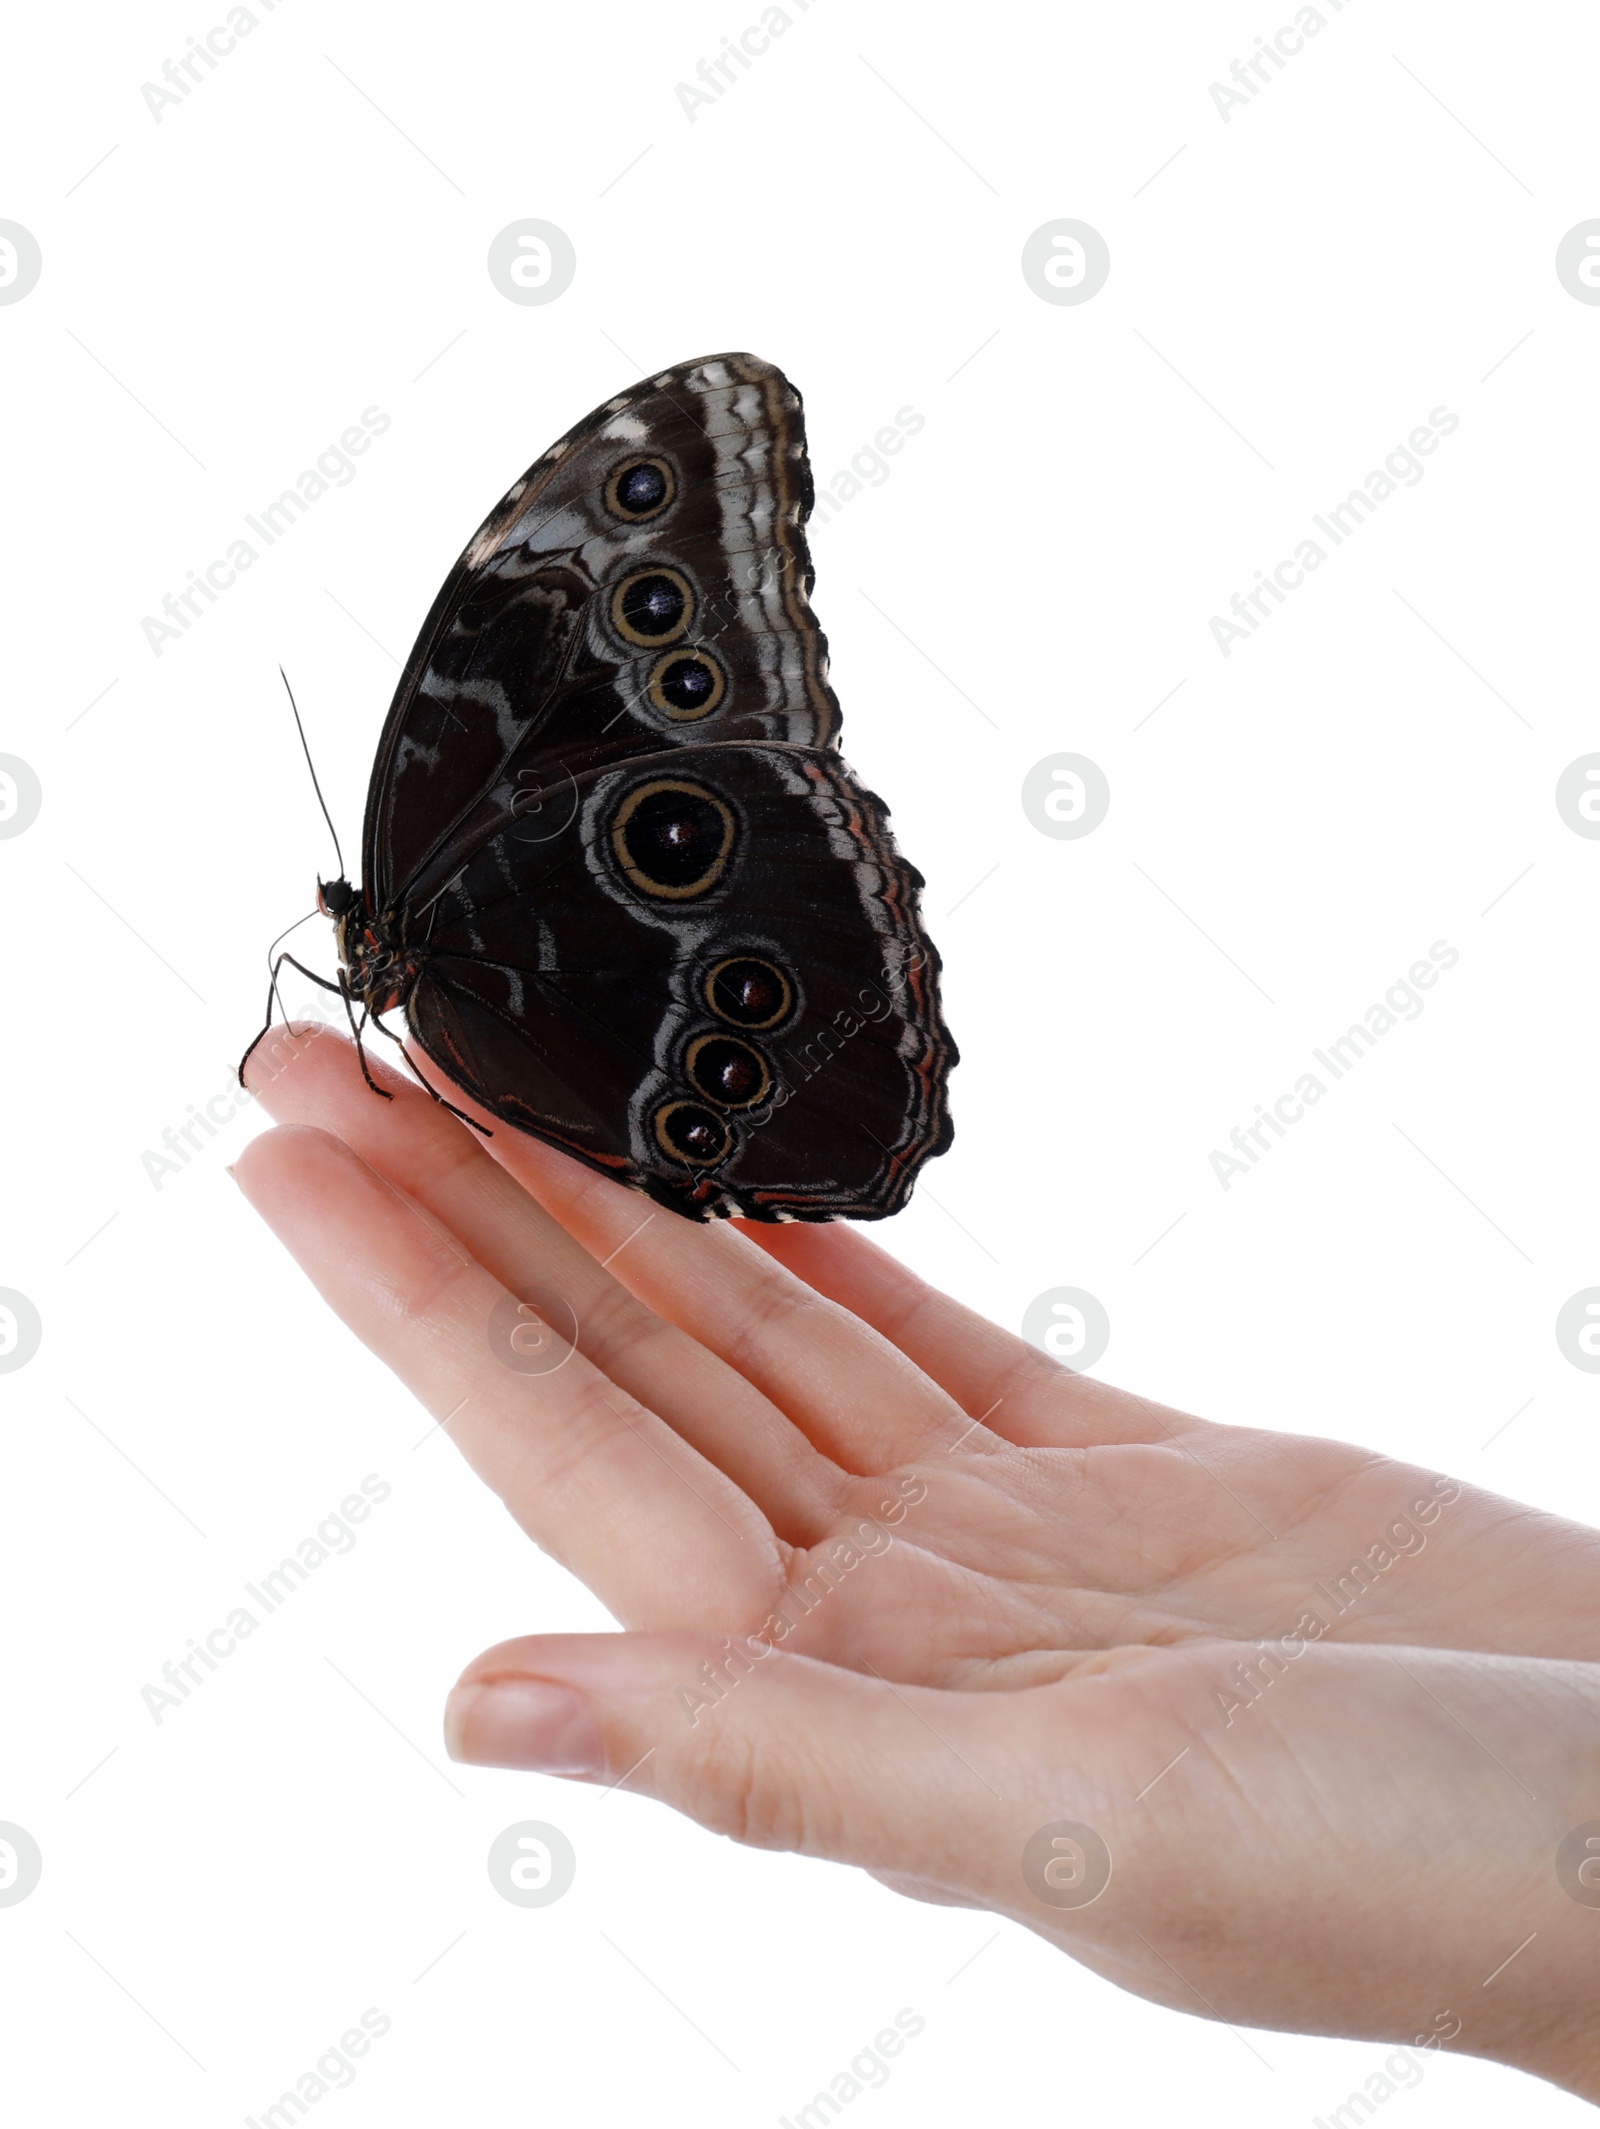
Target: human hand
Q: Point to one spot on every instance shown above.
(902, 1592)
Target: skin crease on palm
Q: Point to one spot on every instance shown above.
(1038, 1591)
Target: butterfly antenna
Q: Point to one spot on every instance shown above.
(295, 926)
(311, 765)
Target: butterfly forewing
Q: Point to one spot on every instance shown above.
(525, 651)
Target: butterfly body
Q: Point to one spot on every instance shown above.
(617, 875)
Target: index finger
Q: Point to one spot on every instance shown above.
(660, 1535)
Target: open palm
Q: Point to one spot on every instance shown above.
(1198, 1703)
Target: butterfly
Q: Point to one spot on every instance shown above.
(615, 871)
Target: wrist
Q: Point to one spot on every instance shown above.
(1548, 2022)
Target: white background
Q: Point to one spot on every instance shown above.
(304, 236)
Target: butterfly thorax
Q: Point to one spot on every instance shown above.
(377, 968)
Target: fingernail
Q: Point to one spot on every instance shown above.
(523, 1722)
(232, 1170)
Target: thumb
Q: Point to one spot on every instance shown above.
(772, 1749)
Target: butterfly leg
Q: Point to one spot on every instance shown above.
(481, 1129)
(274, 997)
(355, 1030)
(256, 1042)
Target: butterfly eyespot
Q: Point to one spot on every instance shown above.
(653, 606)
(731, 1073)
(687, 685)
(673, 840)
(690, 1133)
(749, 992)
(640, 488)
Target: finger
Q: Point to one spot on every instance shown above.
(859, 1400)
(1017, 1391)
(598, 1481)
(772, 1749)
(315, 1077)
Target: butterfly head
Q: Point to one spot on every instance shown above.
(336, 898)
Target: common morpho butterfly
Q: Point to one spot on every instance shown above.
(616, 872)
